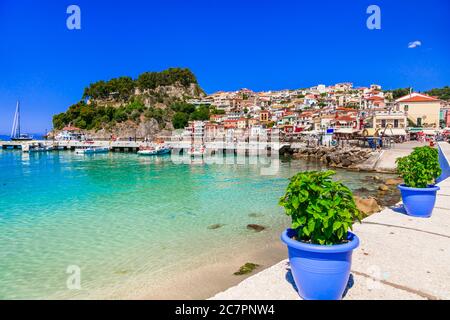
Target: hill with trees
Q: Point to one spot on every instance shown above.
(141, 107)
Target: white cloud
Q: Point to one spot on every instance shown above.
(414, 44)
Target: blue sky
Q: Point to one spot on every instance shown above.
(258, 44)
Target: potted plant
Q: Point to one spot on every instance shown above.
(319, 242)
(419, 171)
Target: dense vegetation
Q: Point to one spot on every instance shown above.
(88, 117)
(120, 92)
(92, 116)
(398, 93)
(442, 93)
(185, 112)
(124, 87)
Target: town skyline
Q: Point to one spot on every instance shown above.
(6, 131)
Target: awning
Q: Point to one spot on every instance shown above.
(309, 132)
(430, 132)
(394, 132)
(346, 130)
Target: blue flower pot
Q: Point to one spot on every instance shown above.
(419, 202)
(320, 272)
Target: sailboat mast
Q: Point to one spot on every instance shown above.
(18, 117)
(14, 126)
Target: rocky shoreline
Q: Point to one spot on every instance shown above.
(369, 201)
(334, 157)
(373, 201)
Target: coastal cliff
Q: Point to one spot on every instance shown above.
(150, 105)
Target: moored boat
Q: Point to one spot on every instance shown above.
(35, 147)
(153, 150)
(161, 150)
(92, 150)
(147, 151)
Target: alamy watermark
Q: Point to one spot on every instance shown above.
(74, 279)
(73, 22)
(374, 20)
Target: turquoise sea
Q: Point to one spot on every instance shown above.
(121, 217)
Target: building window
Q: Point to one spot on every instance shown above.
(395, 123)
(419, 122)
(406, 108)
(383, 123)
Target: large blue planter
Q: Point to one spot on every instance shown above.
(419, 202)
(320, 272)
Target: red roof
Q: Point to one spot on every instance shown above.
(345, 118)
(417, 97)
(70, 128)
(375, 98)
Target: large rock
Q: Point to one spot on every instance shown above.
(367, 206)
(256, 227)
(393, 182)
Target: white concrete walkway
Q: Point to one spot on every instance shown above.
(400, 257)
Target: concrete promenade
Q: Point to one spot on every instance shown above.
(385, 160)
(400, 257)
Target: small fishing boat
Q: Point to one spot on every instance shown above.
(153, 150)
(35, 147)
(162, 150)
(92, 150)
(147, 151)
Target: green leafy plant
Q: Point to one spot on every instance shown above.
(420, 168)
(322, 210)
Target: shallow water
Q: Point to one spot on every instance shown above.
(121, 216)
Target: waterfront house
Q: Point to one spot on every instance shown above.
(242, 123)
(421, 110)
(390, 123)
(70, 133)
(235, 115)
(217, 118)
(253, 122)
(230, 124)
(345, 86)
(374, 102)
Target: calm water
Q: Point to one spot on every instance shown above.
(37, 136)
(120, 216)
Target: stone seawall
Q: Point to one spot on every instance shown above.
(336, 157)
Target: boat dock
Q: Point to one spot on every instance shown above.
(178, 146)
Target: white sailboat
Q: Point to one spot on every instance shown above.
(15, 132)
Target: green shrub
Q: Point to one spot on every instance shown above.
(420, 168)
(322, 210)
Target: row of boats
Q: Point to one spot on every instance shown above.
(147, 150)
(39, 147)
(158, 150)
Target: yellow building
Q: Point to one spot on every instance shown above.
(422, 110)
